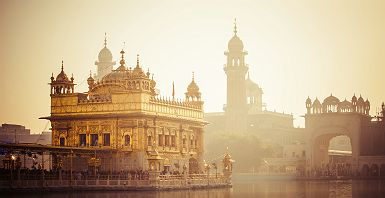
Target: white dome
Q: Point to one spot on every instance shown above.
(235, 44)
(105, 55)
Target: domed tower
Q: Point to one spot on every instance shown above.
(193, 94)
(90, 82)
(104, 63)
(360, 105)
(253, 96)
(62, 85)
(308, 105)
(236, 69)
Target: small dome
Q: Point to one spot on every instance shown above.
(62, 77)
(105, 55)
(354, 98)
(308, 100)
(235, 44)
(89, 79)
(331, 100)
(360, 100)
(316, 103)
(193, 87)
(345, 104)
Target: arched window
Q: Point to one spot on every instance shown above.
(127, 140)
(62, 141)
(149, 140)
(184, 141)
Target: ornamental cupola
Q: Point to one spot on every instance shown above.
(62, 85)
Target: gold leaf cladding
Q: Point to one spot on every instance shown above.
(82, 129)
(106, 128)
(94, 128)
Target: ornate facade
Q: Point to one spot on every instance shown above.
(122, 113)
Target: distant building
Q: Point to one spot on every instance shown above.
(243, 112)
(18, 134)
(13, 133)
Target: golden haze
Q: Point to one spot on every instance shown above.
(295, 49)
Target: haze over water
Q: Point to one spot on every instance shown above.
(247, 189)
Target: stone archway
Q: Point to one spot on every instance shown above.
(321, 128)
(374, 170)
(365, 170)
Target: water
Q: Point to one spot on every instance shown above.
(244, 189)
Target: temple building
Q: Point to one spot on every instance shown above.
(123, 123)
(244, 111)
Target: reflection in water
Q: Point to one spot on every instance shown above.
(245, 189)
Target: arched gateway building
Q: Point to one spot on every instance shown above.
(122, 122)
(333, 118)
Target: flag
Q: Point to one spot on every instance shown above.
(173, 90)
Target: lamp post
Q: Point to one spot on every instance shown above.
(207, 168)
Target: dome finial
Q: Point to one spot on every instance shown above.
(193, 76)
(90, 74)
(235, 26)
(62, 65)
(105, 39)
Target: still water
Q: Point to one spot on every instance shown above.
(245, 189)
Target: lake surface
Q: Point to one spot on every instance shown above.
(244, 189)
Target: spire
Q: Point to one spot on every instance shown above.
(235, 26)
(193, 78)
(62, 63)
(90, 74)
(137, 60)
(105, 39)
(122, 62)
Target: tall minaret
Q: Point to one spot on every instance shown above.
(236, 69)
(104, 62)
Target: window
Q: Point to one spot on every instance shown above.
(94, 139)
(149, 140)
(82, 139)
(184, 142)
(167, 140)
(106, 139)
(62, 141)
(127, 140)
(160, 140)
(192, 143)
(173, 141)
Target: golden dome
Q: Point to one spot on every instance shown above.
(62, 76)
(193, 87)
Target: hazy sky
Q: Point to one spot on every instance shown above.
(296, 48)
